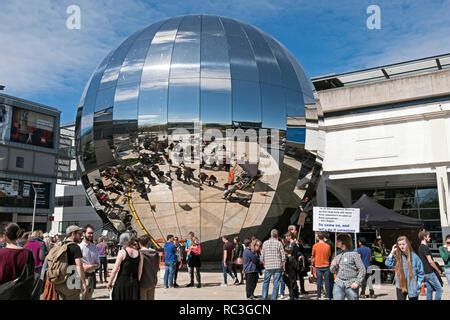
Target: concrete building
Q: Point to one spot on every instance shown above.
(386, 133)
(71, 203)
(29, 143)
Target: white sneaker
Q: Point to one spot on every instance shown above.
(224, 285)
(281, 297)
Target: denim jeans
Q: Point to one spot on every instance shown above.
(326, 273)
(447, 275)
(227, 270)
(168, 274)
(340, 292)
(276, 273)
(282, 286)
(433, 284)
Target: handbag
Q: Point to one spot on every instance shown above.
(21, 287)
(313, 276)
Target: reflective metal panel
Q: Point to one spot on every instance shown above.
(246, 102)
(273, 107)
(183, 128)
(186, 52)
(268, 69)
(157, 63)
(216, 101)
(184, 100)
(153, 104)
(215, 61)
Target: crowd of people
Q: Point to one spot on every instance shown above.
(50, 268)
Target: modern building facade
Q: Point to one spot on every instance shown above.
(197, 123)
(71, 203)
(386, 133)
(29, 143)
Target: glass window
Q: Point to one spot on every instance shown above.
(246, 102)
(157, 63)
(184, 96)
(428, 197)
(186, 51)
(427, 214)
(215, 62)
(216, 101)
(20, 161)
(153, 103)
(273, 107)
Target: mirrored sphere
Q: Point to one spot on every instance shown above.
(183, 128)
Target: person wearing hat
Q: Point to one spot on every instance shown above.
(69, 290)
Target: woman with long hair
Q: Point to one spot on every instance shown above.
(238, 260)
(194, 261)
(409, 272)
(126, 287)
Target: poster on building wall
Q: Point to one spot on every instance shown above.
(20, 194)
(336, 219)
(5, 122)
(32, 128)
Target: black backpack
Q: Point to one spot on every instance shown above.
(22, 287)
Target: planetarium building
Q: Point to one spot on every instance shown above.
(198, 123)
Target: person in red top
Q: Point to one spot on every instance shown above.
(320, 259)
(13, 258)
(194, 252)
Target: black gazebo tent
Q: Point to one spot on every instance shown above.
(375, 216)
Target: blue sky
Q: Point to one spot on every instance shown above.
(41, 60)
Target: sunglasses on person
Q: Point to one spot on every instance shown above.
(448, 242)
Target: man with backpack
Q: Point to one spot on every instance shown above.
(65, 266)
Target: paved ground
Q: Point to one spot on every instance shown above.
(212, 290)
